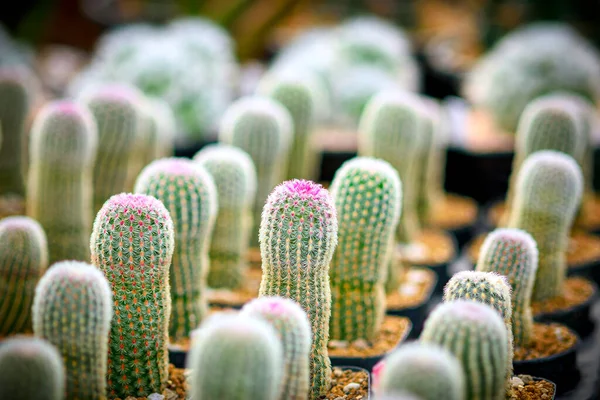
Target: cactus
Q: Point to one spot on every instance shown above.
(234, 175)
(548, 192)
(367, 195)
(189, 194)
(476, 335)
(72, 309)
(63, 149)
(132, 243)
(31, 369)
(236, 357)
(23, 260)
(163, 126)
(298, 235)
(293, 328)
(513, 253)
(427, 371)
(262, 128)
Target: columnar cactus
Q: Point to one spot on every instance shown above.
(64, 140)
(513, 253)
(72, 310)
(298, 235)
(367, 195)
(162, 127)
(476, 335)
(427, 371)
(30, 368)
(23, 260)
(547, 194)
(234, 176)
(293, 328)
(189, 194)
(132, 243)
(236, 357)
(263, 128)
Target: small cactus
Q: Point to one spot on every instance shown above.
(189, 194)
(548, 192)
(72, 309)
(234, 175)
(235, 357)
(63, 149)
(476, 335)
(298, 235)
(30, 369)
(132, 243)
(367, 195)
(23, 260)
(293, 328)
(513, 253)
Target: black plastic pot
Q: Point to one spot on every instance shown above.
(417, 314)
(589, 270)
(331, 162)
(190, 149)
(177, 357)
(463, 234)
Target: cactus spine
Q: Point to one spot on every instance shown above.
(236, 357)
(476, 335)
(30, 368)
(23, 260)
(263, 128)
(547, 194)
(298, 235)
(234, 175)
(72, 309)
(132, 243)
(293, 328)
(189, 194)
(367, 195)
(63, 149)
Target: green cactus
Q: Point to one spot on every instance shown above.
(298, 235)
(30, 369)
(236, 357)
(293, 328)
(72, 309)
(62, 153)
(263, 128)
(513, 253)
(548, 193)
(234, 175)
(476, 335)
(162, 127)
(23, 260)
(427, 371)
(367, 195)
(132, 243)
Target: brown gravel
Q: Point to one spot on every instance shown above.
(393, 331)
(11, 205)
(548, 339)
(176, 386)
(525, 388)
(496, 212)
(575, 291)
(239, 296)
(453, 211)
(589, 219)
(437, 246)
(415, 286)
(341, 378)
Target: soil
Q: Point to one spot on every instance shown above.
(238, 297)
(393, 331)
(177, 386)
(415, 288)
(495, 213)
(430, 247)
(575, 291)
(548, 340)
(484, 136)
(525, 388)
(11, 205)
(453, 211)
(341, 378)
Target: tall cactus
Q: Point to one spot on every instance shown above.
(547, 194)
(263, 128)
(234, 175)
(293, 328)
(367, 195)
(72, 310)
(189, 194)
(23, 260)
(476, 335)
(298, 235)
(513, 253)
(162, 127)
(64, 140)
(236, 357)
(132, 243)
(30, 368)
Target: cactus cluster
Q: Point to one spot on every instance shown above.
(132, 243)
(72, 309)
(298, 235)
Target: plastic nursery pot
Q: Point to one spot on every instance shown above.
(188, 150)
(442, 270)
(463, 234)
(590, 270)
(177, 357)
(331, 162)
(349, 396)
